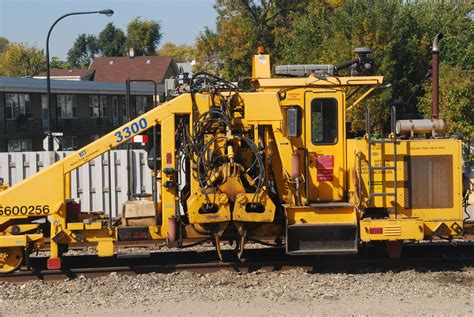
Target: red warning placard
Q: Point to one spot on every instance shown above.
(325, 168)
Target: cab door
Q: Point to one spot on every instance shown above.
(326, 144)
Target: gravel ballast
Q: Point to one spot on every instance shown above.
(258, 293)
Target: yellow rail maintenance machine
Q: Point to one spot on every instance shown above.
(269, 162)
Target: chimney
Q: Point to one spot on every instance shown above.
(435, 77)
(131, 52)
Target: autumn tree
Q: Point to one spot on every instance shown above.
(19, 59)
(324, 31)
(143, 36)
(180, 53)
(207, 53)
(243, 25)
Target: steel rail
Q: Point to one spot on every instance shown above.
(435, 256)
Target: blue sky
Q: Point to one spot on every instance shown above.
(28, 21)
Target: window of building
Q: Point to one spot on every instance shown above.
(66, 106)
(123, 109)
(68, 143)
(97, 106)
(115, 110)
(44, 111)
(324, 121)
(141, 105)
(20, 145)
(17, 105)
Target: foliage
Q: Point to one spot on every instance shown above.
(180, 53)
(143, 36)
(207, 53)
(55, 62)
(3, 43)
(318, 31)
(243, 25)
(456, 100)
(18, 59)
(83, 51)
(111, 41)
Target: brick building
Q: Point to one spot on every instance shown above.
(87, 103)
(83, 110)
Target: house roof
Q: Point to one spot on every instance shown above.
(30, 85)
(56, 72)
(119, 69)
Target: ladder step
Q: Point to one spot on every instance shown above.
(382, 168)
(383, 194)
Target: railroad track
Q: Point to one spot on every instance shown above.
(432, 256)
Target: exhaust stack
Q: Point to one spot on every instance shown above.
(435, 77)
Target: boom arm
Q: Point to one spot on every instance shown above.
(44, 193)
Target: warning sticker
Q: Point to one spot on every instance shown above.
(325, 168)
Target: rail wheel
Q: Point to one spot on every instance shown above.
(10, 259)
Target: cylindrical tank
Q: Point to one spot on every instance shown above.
(419, 126)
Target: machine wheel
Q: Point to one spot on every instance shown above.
(10, 259)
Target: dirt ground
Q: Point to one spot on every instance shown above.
(288, 293)
(388, 306)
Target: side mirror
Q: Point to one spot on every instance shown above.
(293, 121)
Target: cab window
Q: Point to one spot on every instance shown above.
(324, 121)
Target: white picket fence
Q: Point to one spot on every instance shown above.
(90, 183)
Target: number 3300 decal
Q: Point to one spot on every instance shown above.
(127, 131)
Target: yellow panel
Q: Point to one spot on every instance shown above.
(296, 215)
(261, 66)
(391, 229)
(262, 106)
(383, 182)
(40, 194)
(105, 248)
(75, 226)
(93, 226)
(19, 240)
(326, 82)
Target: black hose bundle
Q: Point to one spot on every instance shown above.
(215, 123)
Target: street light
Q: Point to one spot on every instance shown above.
(108, 13)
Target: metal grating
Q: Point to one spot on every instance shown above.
(429, 181)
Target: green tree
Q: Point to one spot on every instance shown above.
(111, 41)
(84, 49)
(207, 53)
(3, 43)
(399, 35)
(456, 100)
(18, 59)
(55, 62)
(243, 25)
(180, 53)
(143, 36)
